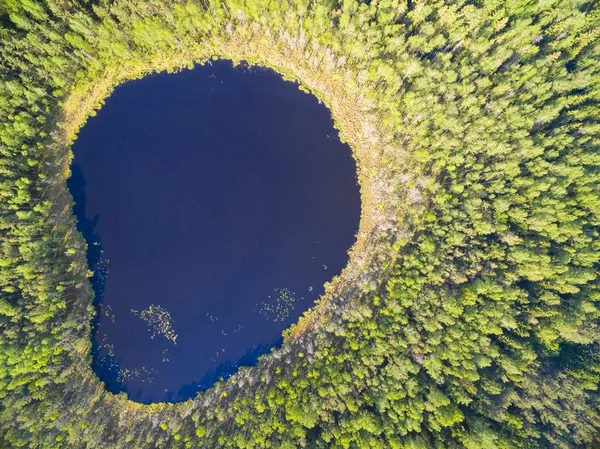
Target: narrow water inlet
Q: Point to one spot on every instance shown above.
(216, 203)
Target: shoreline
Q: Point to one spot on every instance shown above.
(346, 111)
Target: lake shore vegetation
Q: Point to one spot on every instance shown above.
(467, 316)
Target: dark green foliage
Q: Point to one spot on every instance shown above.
(482, 329)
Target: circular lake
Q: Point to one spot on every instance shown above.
(216, 204)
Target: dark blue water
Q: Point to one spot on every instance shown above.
(216, 203)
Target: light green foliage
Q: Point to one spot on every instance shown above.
(482, 332)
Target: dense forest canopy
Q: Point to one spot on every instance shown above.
(468, 316)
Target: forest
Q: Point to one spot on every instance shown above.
(468, 315)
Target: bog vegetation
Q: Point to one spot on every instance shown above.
(468, 316)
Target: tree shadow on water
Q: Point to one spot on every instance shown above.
(106, 366)
(87, 227)
(96, 263)
(108, 369)
(225, 371)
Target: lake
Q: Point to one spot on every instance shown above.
(216, 203)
